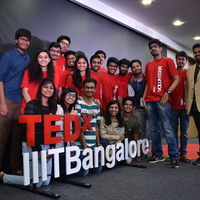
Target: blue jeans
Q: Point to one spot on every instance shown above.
(161, 116)
(184, 123)
(83, 172)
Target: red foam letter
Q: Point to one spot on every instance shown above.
(68, 119)
(48, 128)
(30, 121)
(87, 122)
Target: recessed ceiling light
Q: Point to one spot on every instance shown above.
(146, 2)
(197, 38)
(178, 23)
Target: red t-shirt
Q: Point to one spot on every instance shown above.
(98, 93)
(124, 80)
(158, 75)
(103, 69)
(70, 83)
(61, 62)
(111, 89)
(178, 95)
(33, 87)
(64, 76)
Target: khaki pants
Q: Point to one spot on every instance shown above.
(9, 127)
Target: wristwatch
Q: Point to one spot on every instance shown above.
(169, 92)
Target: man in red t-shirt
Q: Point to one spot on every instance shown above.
(161, 79)
(102, 55)
(178, 105)
(64, 42)
(95, 63)
(111, 86)
(123, 75)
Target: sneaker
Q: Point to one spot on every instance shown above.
(196, 162)
(174, 164)
(156, 159)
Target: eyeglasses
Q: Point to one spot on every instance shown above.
(55, 51)
(89, 88)
(72, 58)
(94, 62)
(135, 66)
(153, 46)
(65, 44)
(24, 39)
(71, 95)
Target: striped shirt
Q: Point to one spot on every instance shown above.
(84, 109)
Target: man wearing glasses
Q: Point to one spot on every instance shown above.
(64, 42)
(12, 65)
(86, 108)
(161, 78)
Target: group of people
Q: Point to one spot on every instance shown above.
(123, 105)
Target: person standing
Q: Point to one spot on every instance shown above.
(178, 111)
(12, 64)
(193, 93)
(161, 79)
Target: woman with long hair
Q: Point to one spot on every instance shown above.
(81, 71)
(40, 67)
(45, 104)
(68, 101)
(112, 125)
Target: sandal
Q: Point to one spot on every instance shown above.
(185, 159)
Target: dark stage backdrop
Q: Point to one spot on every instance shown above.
(89, 32)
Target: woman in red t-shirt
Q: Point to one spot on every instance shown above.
(39, 68)
(80, 73)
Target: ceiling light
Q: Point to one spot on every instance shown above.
(146, 2)
(197, 38)
(178, 23)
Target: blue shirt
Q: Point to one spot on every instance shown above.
(12, 66)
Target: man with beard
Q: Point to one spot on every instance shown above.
(102, 55)
(111, 85)
(131, 123)
(161, 79)
(95, 63)
(136, 90)
(193, 93)
(123, 75)
(64, 42)
(87, 108)
(178, 111)
(55, 52)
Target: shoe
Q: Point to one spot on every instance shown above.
(167, 159)
(156, 159)
(196, 162)
(174, 164)
(184, 159)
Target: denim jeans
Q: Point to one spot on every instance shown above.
(161, 116)
(84, 172)
(184, 123)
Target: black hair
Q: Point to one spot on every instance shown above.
(127, 99)
(77, 79)
(181, 53)
(124, 61)
(100, 52)
(119, 117)
(89, 80)
(62, 99)
(157, 41)
(23, 32)
(52, 100)
(70, 52)
(135, 60)
(195, 46)
(93, 57)
(35, 71)
(112, 59)
(64, 37)
(54, 44)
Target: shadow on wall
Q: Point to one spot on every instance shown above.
(35, 46)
